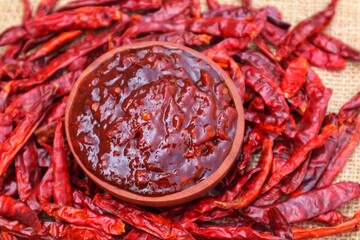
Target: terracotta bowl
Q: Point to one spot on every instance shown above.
(186, 194)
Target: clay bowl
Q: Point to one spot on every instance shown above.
(186, 194)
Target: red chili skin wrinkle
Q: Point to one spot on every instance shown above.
(153, 120)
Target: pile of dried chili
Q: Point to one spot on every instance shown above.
(45, 195)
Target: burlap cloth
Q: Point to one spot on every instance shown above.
(345, 84)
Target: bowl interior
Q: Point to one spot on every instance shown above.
(184, 195)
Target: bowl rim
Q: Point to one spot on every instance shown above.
(186, 194)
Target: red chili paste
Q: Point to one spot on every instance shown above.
(153, 120)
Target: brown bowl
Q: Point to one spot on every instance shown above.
(186, 194)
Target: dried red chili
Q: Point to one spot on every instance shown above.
(299, 157)
(216, 214)
(171, 10)
(44, 158)
(350, 110)
(69, 231)
(127, 6)
(301, 207)
(310, 124)
(12, 35)
(83, 3)
(61, 186)
(17, 228)
(251, 145)
(253, 187)
(85, 217)
(139, 5)
(295, 77)
(13, 51)
(182, 37)
(146, 221)
(86, 18)
(57, 111)
(27, 11)
(279, 225)
(159, 27)
(264, 48)
(274, 16)
(231, 11)
(6, 126)
(27, 169)
(17, 210)
(23, 103)
(305, 29)
(230, 232)
(207, 204)
(45, 7)
(282, 151)
(43, 190)
(315, 232)
(137, 234)
(21, 69)
(349, 137)
(319, 58)
(265, 122)
(237, 76)
(31, 43)
(10, 147)
(335, 46)
(229, 46)
(274, 34)
(313, 77)
(55, 43)
(320, 159)
(270, 93)
(63, 60)
(290, 128)
(45, 133)
(299, 102)
(227, 27)
(261, 63)
(331, 218)
(80, 200)
(257, 105)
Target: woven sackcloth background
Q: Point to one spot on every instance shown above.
(345, 84)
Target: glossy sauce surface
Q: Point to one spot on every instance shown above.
(153, 120)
